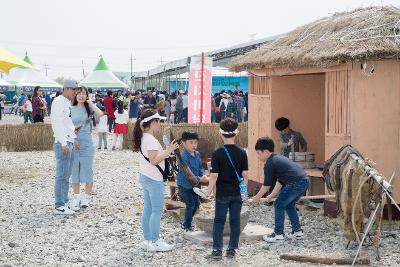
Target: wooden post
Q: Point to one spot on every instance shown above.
(202, 87)
(323, 260)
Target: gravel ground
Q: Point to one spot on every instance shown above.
(108, 233)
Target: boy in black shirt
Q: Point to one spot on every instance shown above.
(228, 196)
(291, 183)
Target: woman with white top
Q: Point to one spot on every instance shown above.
(151, 154)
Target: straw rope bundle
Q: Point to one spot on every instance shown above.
(363, 34)
(357, 193)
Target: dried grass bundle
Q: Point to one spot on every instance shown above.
(206, 131)
(26, 137)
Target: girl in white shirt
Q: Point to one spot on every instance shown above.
(121, 125)
(151, 155)
(28, 110)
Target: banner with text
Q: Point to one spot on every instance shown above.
(199, 91)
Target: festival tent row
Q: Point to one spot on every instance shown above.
(25, 79)
(102, 79)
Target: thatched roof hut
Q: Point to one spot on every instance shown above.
(337, 80)
(363, 34)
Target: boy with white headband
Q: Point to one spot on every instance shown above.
(227, 163)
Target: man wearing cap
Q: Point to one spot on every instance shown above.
(64, 136)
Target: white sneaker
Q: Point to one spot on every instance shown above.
(85, 200)
(63, 210)
(296, 235)
(274, 238)
(145, 244)
(159, 246)
(75, 202)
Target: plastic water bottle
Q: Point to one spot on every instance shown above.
(165, 140)
(243, 191)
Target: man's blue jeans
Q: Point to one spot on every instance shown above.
(63, 172)
(289, 195)
(233, 204)
(153, 206)
(192, 202)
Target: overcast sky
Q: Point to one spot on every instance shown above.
(62, 33)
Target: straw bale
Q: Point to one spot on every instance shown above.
(206, 131)
(363, 34)
(26, 137)
(39, 136)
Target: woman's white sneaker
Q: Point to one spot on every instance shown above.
(85, 200)
(159, 246)
(63, 210)
(145, 244)
(75, 203)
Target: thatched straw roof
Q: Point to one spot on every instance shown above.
(365, 33)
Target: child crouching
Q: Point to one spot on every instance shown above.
(291, 183)
(193, 160)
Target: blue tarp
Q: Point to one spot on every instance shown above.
(219, 83)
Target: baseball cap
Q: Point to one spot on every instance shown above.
(70, 83)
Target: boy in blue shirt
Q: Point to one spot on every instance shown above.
(192, 158)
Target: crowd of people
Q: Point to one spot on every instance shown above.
(32, 107)
(174, 106)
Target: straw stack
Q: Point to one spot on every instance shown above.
(26, 137)
(205, 131)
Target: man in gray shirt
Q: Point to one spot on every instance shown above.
(289, 138)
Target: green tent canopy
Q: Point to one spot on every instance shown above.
(102, 77)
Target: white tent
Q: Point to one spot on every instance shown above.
(27, 78)
(102, 78)
(4, 83)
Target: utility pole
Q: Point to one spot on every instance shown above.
(83, 70)
(161, 80)
(45, 67)
(131, 66)
(132, 78)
